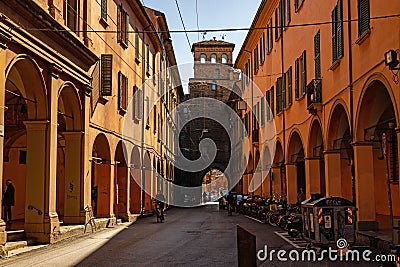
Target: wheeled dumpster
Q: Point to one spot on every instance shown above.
(325, 220)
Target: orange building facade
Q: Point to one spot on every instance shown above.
(321, 68)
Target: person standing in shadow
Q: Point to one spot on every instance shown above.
(8, 201)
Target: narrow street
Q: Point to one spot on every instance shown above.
(202, 236)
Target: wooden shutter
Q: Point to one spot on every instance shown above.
(296, 79)
(317, 55)
(140, 104)
(290, 89)
(304, 73)
(276, 23)
(288, 15)
(262, 111)
(119, 24)
(270, 37)
(268, 107)
(126, 28)
(104, 9)
(125, 94)
(272, 100)
(334, 36)
(296, 5)
(120, 94)
(340, 29)
(363, 16)
(134, 103)
(136, 44)
(106, 75)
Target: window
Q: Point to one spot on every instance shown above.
(317, 66)
(147, 60)
(297, 4)
(122, 26)
(213, 58)
(262, 111)
(255, 61)
(296, 78)
(247, 66)
(155, 119)
(363, 16)
(214, 86)
(279, 95)
(217, 73)
(262, 48)
(272, 100)
(289, 86)
(122, 91)
(106, 75)
(224, 59)
(137, 45)
(270, 41)
(268, 100)
(154, 67)
(277, 24)
(287, 13)
(282, 16)
(337, 32)
(303, 66)
(104, 9)
(203, 58)
(71, 18)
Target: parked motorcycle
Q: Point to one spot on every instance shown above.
(295, 225)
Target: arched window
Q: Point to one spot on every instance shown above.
(224, 59)
(214, 86)
(203, 58)
(213, 58)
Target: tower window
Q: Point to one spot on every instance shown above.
(224, 59)
(213, 58)
(203, 58)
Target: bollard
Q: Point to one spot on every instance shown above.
(246, 247)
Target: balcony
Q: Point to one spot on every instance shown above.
(314, 96)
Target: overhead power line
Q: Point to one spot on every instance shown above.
(223, 29)
(183, 24)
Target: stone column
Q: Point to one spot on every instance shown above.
(313, 181)
(364, 179)
(4, 39)
(86, 157)
(333, 176)
(291, 183)
(73, 160)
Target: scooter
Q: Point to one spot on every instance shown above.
(295, 225)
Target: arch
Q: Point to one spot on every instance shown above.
(203, 58)
(135, 181)
(213, 58)
(315, 164)
(316, 140)
(23, 77)
(295, 149)
(70, 106)
(121, 182)
(338, 127)
(224, 59)
(377, 115)
(101, 176)
(296, 183)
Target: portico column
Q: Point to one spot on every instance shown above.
(4, 39)
(276, 180)
(86, 182)
(333, 176)
(291, 183)
(313, 181)
(364, 180)
(73, 160)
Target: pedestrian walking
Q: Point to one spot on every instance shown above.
(8, 201)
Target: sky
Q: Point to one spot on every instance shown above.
(212, 14)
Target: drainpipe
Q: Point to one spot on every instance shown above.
(353, 184)
(283, 174)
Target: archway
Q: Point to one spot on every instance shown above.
(135, 179)
(101, 177)
(25, 100)
(338, 157)
(214, 185)
(121, 183)
(376, 117)
(277, 181)
(315, 161)
(69, 155)
(295, 169)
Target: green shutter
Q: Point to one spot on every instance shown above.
(296, 79)
(119, 24)
(288, 15)
(136, 43)
(304, 73)
(317, 55)
(268, 104)
(262, 111)
(296, 5)
(272, 100)
(126, 28)
(104, 9)
(290, 89)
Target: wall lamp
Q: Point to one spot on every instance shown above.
(391, 60)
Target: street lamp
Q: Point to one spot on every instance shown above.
(391, 59)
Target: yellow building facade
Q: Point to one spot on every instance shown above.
(71, 72)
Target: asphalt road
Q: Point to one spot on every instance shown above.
(201, 236)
